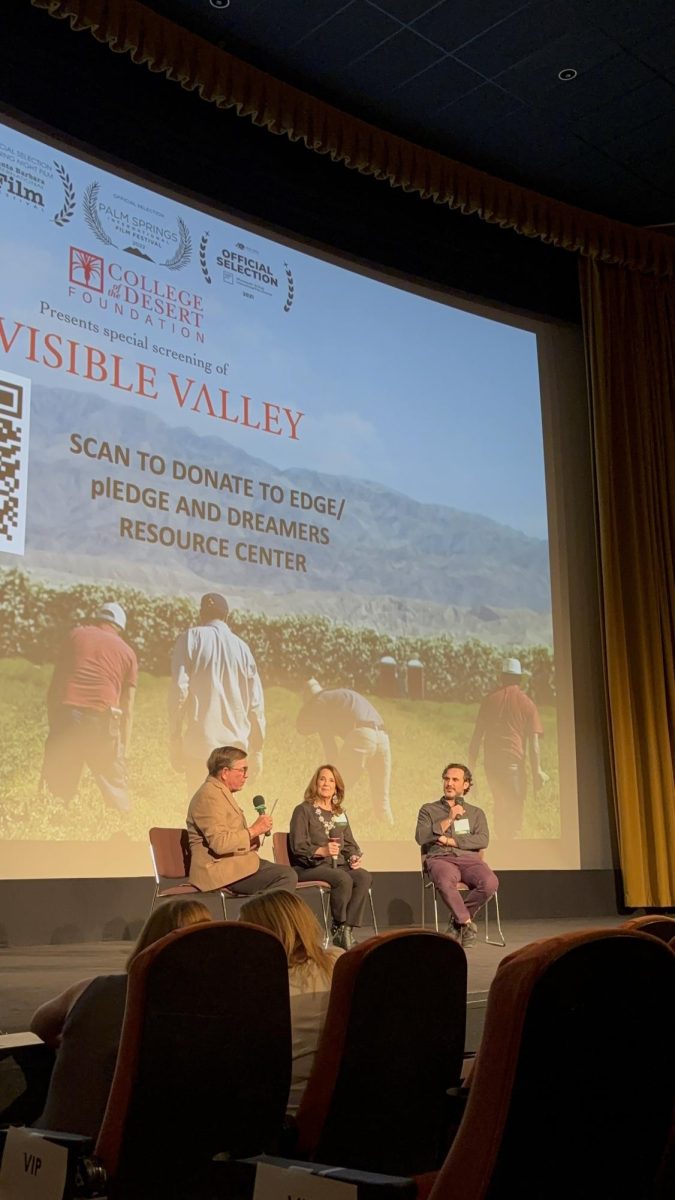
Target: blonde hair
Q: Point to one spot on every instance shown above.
(312, 789)
(174, 914)
(295, 925)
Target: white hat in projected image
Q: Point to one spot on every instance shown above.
(110, 611)
(511, 666)
(313, 687)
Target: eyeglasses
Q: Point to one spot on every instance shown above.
(241, 770)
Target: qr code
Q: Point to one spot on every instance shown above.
(14, 427)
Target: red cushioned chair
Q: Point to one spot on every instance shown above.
(281, 855)
(659, 925)
(391, 1048)
(170, 853)
(204, 1061)
(572, 1092)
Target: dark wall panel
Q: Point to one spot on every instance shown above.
(42, 912)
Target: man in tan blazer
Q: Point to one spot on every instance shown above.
(222, 846)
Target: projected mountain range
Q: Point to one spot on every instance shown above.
(386, 543)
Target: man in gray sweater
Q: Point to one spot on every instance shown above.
(452, 834)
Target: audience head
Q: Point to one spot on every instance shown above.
(326, 779)
(294, 923)
(173, 914)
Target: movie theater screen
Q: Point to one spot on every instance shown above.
(191, 407)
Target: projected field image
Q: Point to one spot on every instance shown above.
(194, 407)
(425, 732)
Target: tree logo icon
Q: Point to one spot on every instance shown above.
(86, 269)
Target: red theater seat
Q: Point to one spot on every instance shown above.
(204, 1061)
(572, 1093)
(392, 1046)
(659, 925)
(170, 853)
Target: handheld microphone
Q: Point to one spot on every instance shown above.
(261, 808)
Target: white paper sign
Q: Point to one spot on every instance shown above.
(15, 1041)
(281, 1183)
(32, 1168)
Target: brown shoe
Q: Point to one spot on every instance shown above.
(469, 935)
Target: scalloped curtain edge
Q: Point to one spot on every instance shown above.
(228, 82)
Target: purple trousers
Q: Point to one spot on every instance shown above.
(447, 872)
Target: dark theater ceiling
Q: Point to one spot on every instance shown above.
(480, 80)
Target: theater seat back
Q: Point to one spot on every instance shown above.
(392, 1046)
(572, 1094)
(205, 1056)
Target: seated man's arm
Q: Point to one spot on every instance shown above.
(424, 833)
(479, 835)
(222, 828)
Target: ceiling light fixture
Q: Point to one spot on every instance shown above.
(565, 75)
(219, 3)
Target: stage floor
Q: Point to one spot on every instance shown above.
(29, 975)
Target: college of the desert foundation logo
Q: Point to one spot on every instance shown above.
(85, 270)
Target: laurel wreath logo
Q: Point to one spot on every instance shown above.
(63, 216)
(89, 203)
(202, 257)
(291, 288)
(184, 252)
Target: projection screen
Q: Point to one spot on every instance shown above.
(190, 407)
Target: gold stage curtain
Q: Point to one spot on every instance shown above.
(128, 27)
(629, 327)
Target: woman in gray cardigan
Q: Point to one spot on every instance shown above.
(322, 847)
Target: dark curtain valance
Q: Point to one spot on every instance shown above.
(220, 78)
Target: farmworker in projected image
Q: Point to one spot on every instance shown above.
(322, 848)
(215, 695)
(363, 745)
(509, 726)
(90, 707)
(222, 846)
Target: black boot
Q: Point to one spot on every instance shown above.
(342, 936)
